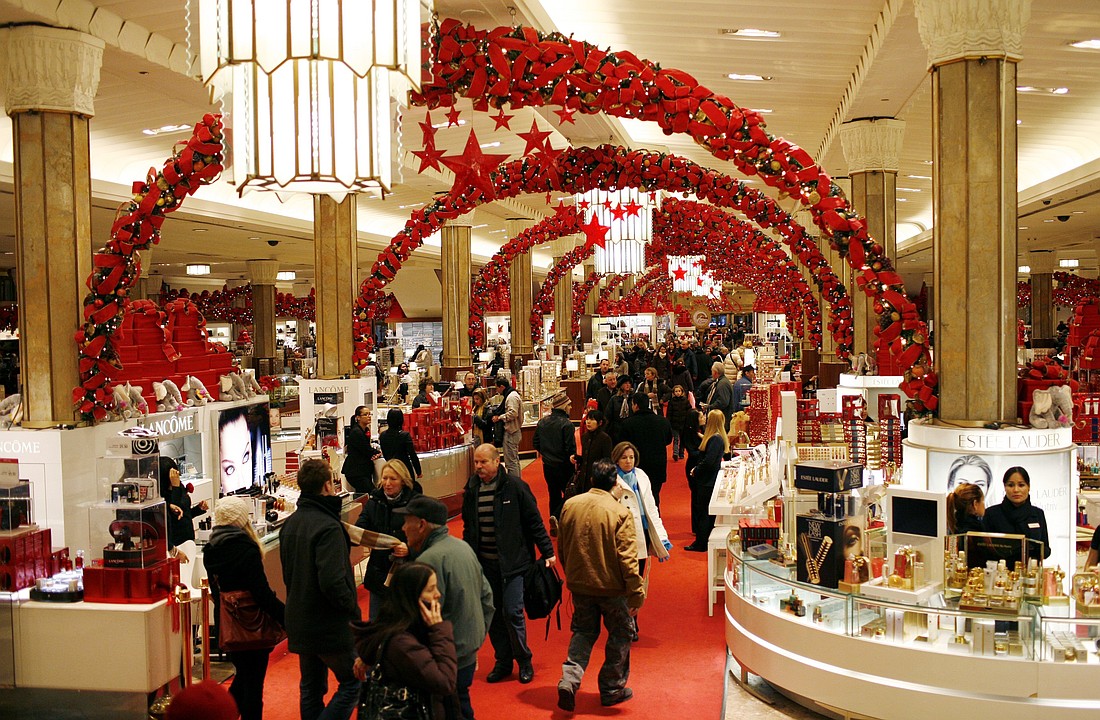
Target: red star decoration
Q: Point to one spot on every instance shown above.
(699, 281)
(452, 117)
(566, 115)
(562, 208)
(632, 208)
(547, 161)
(472, 168)
(501, 120)
(429, 157)
(534, 137)
(679, 273)
(583, 204)
(547, 198)
(427, 129)
(618, 212)
(594, 233)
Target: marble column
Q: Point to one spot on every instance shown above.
(50, 80)
(563, 292)
(519, 293)
(973, 48)
(455, 263)
(262, 275)
(593, 298)
(872, 148)
(336, 269)
(627, 286)
(1042, 297)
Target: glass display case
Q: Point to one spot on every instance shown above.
(16, 506)
(535, 410)
(129, 533)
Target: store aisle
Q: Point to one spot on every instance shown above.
(677, 665)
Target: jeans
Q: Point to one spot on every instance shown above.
(375, 599)
(314, 685)
(458, 707)
(587, 611)
(557, 477)
(248, 682)
(508, 628)
(511, 452)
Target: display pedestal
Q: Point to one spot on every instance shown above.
(870, 387)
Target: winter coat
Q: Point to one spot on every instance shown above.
(598, 547)
(594, 446)
(379, 516)
(320, 587)
(422, 658)
(732, 364)
(653, 535)
(467, 596)
(661, 365)
(684, 379)
(721, 397)
(359, 456)
(555, 438)
(234, 562)
(677, 412)
(1025, 519)
(516, 520)
(651, 434)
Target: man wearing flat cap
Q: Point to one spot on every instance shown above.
(556, 443)
(467, 597)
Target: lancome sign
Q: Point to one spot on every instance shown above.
(168, 426)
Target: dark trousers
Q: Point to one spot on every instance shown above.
(458, 706)
(508, 629)
(557, 477)
(702, 522)
(587, 612)
(314, 685)
(248, 681)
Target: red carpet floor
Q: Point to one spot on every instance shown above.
(676, 667)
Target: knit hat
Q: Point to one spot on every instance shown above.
(559, 400)
(233, 511)
(203, 701)
(624, 379)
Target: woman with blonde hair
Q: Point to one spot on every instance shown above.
(234, 561)
(394, 490)
(633, 490)
(714, 446)
(483, 418)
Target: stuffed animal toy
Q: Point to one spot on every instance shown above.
(174, 401)
(1042, 414)
(197, 394)
(228, 388)
(239, 387)
(1062, 405)
(137, 402)
(121, 401)
(161, 394)
(253, 385)
(11, 409)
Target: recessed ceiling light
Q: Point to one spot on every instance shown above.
(902, 189)
(165, 130)
(926, 162)
(199, 230)
(1059, 91)
(254, 237)
(749, 77)
(762, 111)
(1078, 212)
(1069, 263)
(198, 269)
(481, 226)
(437, 126)
(490, 144)
(1022, 227)
(1024, 269)
(1019, 122)
(903, 199)
(1048, 221)
(919, 177)
(286, 275)
(749, 33)
(1086, 44)
(1032, 89)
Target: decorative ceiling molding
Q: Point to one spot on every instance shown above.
(956, 29)
(873, 144)
(50, 69)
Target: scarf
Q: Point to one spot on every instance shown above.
(1017, 516)
(631, 479)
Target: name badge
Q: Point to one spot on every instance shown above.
(1034, 526)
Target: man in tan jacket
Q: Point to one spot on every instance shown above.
(597, 548)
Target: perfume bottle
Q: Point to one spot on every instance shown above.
(79, 562)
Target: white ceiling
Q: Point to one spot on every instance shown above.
(836, 60)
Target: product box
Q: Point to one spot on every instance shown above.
(831, 476)
(820, 544)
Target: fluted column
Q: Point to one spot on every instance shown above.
(593, 298)
(626, 286)
(1042, 297)
(973, 47)
(872, 149)
(50, 80)
(519, 292)
(336, 268)
(455, 264)
(262, 275)
(563, 292)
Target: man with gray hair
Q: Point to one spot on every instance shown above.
(511, 414)
(467, 597)
(721, 392)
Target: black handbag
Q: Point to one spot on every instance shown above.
(381, 699)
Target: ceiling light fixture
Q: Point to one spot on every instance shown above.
(481, 226)
(1078, 212)
(1032, 89)
(1086, 44)
(1024, 269)
(199, 230)
(903, 189)
(198, 269)
(749, 33)
(490, 144)
(1022, 227)
(444, 125)
(749, 77)
(1069, 263)
(919, 177)
(166, 129)
(286, 275)
(762, 111)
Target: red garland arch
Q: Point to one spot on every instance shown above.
(117, 267)
(522, 67)
(581, 291)
(545, 297)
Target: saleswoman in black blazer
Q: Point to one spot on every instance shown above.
(1015, 514)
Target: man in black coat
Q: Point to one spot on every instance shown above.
(651, 434)
(596, 381)
(556, 443)
(320, 595)
(619, 408)
(603, 397)
(501, 522)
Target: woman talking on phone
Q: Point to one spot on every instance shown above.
(410, 638)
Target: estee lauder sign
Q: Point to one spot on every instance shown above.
(1009, 441)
